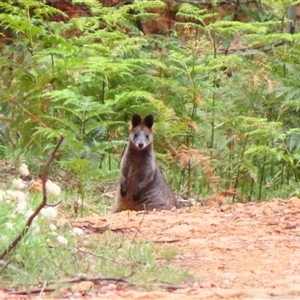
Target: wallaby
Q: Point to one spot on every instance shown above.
(141, 185)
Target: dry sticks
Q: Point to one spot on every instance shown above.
(39, 208)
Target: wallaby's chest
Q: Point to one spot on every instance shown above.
(134, 167)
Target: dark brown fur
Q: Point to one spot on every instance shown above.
(141, 185)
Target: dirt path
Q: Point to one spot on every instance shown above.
(244, 251)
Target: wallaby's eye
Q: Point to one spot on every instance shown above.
(147, 136)
(136, 135)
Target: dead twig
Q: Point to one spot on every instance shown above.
(32, 116)
(95, 279)
(250, 50)
(54, 204)
(122, 230)
(138, 229)
(166, 241)
(35, 291)
(43, 288)
(167, 285)
(6, 265)
(70, 281)
(100, 256)
(40, 207)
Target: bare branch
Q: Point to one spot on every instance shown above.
(100, 256)
(95, 279)
(6, 265)
(138, 229)
(32, 116)
(40, 207)
(35, 291)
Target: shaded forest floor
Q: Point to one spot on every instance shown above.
(241, 251)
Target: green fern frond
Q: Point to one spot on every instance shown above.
(188, 12)
(262, 150)
(141, 5)
(11, 9)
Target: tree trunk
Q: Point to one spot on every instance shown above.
(291, 19)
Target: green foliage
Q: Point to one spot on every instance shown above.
(225, 119)
(224, 93)
(48, 253)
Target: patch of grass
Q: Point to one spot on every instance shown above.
(168, 253)
(138, 262)
(51, 254)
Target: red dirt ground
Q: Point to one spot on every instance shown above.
(241, 251)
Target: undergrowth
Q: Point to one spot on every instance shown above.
(40, 258)
(224, 95)
(54, 249)
(43, 259)
(225, 119)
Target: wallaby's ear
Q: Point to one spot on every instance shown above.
(148, 121)
(136, 120)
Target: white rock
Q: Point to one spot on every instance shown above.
(16, 195)
(2, 195)
(35, 228)
(24, 171)
(77, 231)
(21, 207)
(13, 216)
(18, 184)
(9, 225)
(52, 227)
(62, 240)
(53, 188)
(49, 212)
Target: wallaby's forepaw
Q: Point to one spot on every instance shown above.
(136, 196)
(123, 190)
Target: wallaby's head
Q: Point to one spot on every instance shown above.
(141, 135)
